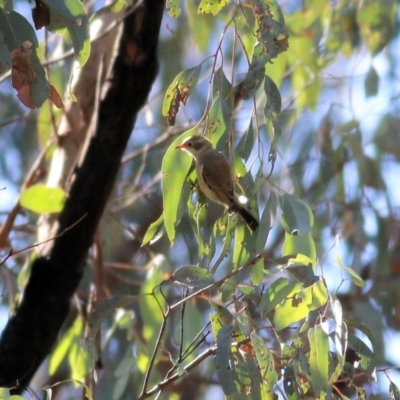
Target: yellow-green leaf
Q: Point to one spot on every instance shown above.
(42, 199)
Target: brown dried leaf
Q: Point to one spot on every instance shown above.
(55, 97)
(22, 74)
(41, 15)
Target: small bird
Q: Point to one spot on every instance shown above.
(215, 177)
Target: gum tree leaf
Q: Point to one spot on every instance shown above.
(266, 364)
(179, 91)
(71, 15)
(371, 83)
(319, 359)
(211, 6)
(42, 199)
(175, 168)
(297, 218)
(192, 277)
(173, 8)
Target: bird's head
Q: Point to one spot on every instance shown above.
(195, 145)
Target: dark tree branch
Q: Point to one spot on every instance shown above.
(32, 332)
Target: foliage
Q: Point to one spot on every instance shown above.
(291, 93)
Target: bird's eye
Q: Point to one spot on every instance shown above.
(189, 144)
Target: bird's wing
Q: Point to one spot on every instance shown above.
(217, 176)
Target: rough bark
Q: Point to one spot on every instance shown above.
(32, 331)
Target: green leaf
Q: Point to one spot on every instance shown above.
(71, 14)
(7, 5)
(152, 304)
(266, 222)
(253, 377)
(192, 277)
(114, 7)
(99, 314)
(277, 292)
(4, 393)
(255, 75)
(356, 279)
(340, 331)
(299, 303)
(274, 100)
(78, 356)
(244, 246)
(5, 56)
(394, 392)
(211, 6)
(230, 232)
(371, 83)
(301, 267)
(319, 359)
(217, 121)
(175, 167)
(257, 272)
(368, 359)
(153, 231)
(224, 362)
(377, 23)
(173, 8)
(246, 144)
(296, 218)
(179, 91)
(266, 364)
(300, 244)
(42, 199)
(271, 32)
(201, 27)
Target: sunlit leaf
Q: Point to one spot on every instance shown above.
(353, 274)
(173, 179)
(376, 21)
(210, 6)
(266, 364)
(218, 120)
(173, 8)
(43, 199)
(202, 27)
(298, 304)
(152, 233)
(71, 15)
(277, 292)
(179, 91)
(319, 359)
(300, 244)
(152, 303)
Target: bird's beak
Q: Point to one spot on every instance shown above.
(180, 147)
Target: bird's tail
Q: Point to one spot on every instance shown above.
(245, 215)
